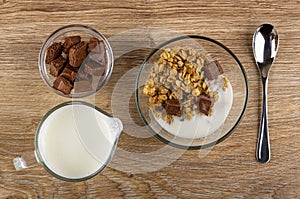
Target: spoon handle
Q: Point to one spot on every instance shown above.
(263, 144)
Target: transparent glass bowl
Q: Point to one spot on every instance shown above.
(86, 33)
(233, 70)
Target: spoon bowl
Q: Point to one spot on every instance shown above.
(265, 46)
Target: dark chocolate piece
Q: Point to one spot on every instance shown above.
(93, 43)
(172, 107)
(63, 85)
(97, 57)
(76, 69)
(53, 52)
(205, 104)
(57, 65)
(77, 54)
(82, 86)
(69, 42)
(96, 50)
(213, 70)
(94, 68)
(82, 75)
(69, 74)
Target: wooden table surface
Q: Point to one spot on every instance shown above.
(143, 167)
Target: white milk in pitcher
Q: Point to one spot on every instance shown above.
(61, 146)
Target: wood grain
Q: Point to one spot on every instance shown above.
(229, 170)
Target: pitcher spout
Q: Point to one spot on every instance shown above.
(117, 127)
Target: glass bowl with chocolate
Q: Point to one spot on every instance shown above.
(191, 92)
(76, 61)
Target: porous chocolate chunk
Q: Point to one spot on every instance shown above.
(63, 85)
(98, 57)
(83, 75)
(76, 69)
(172, 107)
(96, 50)
(82, 86)
(94, 68)
(69, 74)
(57, 65)
(93, 43)
(213, 70)
(77, 54)
(69, 42)
(53, 52)
(205, 104)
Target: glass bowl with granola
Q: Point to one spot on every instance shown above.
(191, 92)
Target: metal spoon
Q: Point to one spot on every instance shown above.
(265, 46)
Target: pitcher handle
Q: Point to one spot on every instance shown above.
(27, 160)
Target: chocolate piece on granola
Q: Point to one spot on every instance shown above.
(82, 86)
(205, 104)
(69, 42)
(77, 54)
(172, 107)
(53, 52)
(213, 70)
(69, 74)
(63, 85)
(57, 65)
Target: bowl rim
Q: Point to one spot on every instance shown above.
(54, 35)
(168, 142)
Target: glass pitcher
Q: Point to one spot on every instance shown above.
(74, 142)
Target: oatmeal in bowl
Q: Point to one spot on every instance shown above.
(191, 92)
